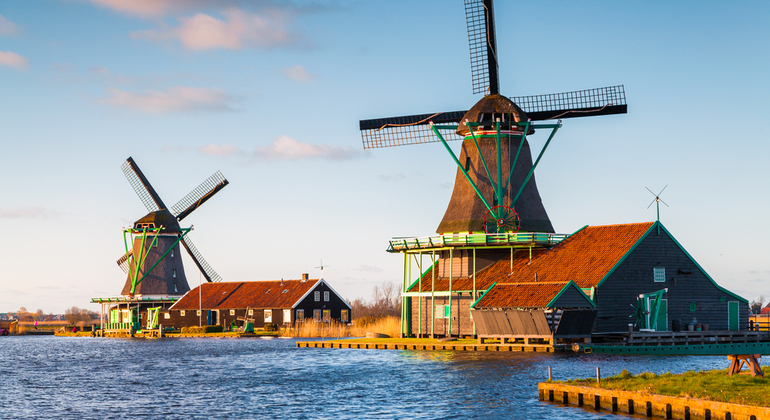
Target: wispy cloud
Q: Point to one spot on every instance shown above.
(285, 148)
(174, 99)
(369, 268)
(12, 59)
(147, 8)
(299, 74)
(237, 30)
(7, 27)
(29, 212)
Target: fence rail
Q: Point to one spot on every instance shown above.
(523, 239)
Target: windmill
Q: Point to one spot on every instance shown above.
(495, 190)
(153, 264)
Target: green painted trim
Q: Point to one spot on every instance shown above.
(481, 155)
(744, 300)
(532, 170)
(516, 159)
(421, 276)
(564, 289)
(483, 293)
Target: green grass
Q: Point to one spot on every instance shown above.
(712, 385)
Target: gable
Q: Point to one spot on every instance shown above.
(534, 295)
(246, 294)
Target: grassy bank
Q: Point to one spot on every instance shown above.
(712, 385)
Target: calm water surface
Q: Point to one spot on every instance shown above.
(93, 378)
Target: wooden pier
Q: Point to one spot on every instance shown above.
(342, 344)
(646, 404)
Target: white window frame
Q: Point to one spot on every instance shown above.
(316, 315)
(166, 315)
(197, 313)
(326, 296)
(182, 312)
(327, 315)
(286, 316)
(317, 296)
(251, 312)
(659, 274)
(344, 315)
(300, 315)
(268, 315)
(439, 312)
(232, 312)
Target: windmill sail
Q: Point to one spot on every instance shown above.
(123, 261)
(479, 17)
(203, 266)
(144, 190)
(415, 129)
(199, 195)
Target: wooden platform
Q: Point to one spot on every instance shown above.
(543, 348)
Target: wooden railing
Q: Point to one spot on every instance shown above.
(522, 239)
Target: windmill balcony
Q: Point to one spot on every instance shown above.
(518, 239)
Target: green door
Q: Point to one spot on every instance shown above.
(662, 324)
(732, 316)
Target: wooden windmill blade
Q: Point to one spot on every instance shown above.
(123, 261)
(142, 186)
(199, 195)
(480, 19)
(580, 103)
(411, 129)
(203, 265)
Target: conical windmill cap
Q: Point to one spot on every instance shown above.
(161, 218)
(490, 108)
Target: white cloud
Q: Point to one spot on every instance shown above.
(26, 212)
(298, 74)
(7, 27)
(174, 99)
(238, 30)
(12, 59)
(144, 8)
(285, 148)
(288, 148)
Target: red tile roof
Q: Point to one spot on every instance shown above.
(521, 295)
(246, 294)
(585, 258)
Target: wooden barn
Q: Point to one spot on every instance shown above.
(612, 265)
(278, 302)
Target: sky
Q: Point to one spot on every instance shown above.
(271, 92)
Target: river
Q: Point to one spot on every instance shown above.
(48, 377)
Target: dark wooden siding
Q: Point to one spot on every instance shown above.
(685, 282)
(572, 298)
(462, 261)
(335, 304)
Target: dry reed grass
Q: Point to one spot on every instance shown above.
(389, 325)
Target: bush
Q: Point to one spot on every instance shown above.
(202, 330)
(271, 327)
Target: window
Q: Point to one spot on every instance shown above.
(693, 307)
(317, 315)
(268, 315)
(175, 289)
(326, 296)
(344, 315)
(197, 313)
(439, 311)
(286, 316)
(172, 253)
(166, 315)
(181, 313)
(173, 273)
(300, 315)
(232, 311)
(327, 315)
(251, 312)
(447, 311)
(659, 274)
(317, 296)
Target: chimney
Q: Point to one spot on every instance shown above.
(305, 277)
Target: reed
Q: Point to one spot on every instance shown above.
(386, 325)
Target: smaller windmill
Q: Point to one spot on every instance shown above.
(153, 263)
(657, 201)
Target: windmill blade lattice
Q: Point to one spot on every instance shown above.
(199, 195)
(414, 129)
(481, 39)
(123, 261)
(203, 266)
(143, 189)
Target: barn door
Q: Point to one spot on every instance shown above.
(662, 324)
(733, 323)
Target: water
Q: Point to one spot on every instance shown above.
(90, 378)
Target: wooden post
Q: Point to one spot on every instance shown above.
(550, 378)
(598, 376)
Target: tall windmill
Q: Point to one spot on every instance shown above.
(495, 190)
(153, 263)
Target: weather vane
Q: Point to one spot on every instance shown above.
(322, 268)
(657, 201)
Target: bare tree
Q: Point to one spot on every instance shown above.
(757, 305)
(386, 302)
(73, 315)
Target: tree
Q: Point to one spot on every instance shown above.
(39, 315)
(386, 302)
(73, 315)
(757, 305)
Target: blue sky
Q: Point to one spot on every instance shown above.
(271, 92)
